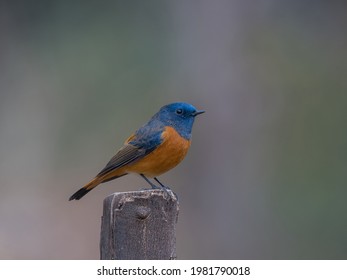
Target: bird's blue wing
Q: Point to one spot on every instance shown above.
(140, 144)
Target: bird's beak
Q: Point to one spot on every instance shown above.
(197, 113)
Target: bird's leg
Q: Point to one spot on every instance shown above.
(167, 189)
(162, 187)
(149, 182)
(161, 184)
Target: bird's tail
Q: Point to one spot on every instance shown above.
(86, 189)
(92, 184)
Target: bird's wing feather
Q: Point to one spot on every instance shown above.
(137, 146)
(127, 154)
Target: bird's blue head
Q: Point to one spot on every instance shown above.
(180, 116)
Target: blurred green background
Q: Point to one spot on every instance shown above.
(266, 174)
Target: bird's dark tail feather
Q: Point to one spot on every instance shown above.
(91, 185)
(86, 189)
(79, 194)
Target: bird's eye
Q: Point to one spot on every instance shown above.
(179, 111)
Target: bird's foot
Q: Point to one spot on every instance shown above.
(161, 186)
(167, 190)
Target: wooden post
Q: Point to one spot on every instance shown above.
(139, 225)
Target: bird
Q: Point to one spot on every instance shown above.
(155, 148)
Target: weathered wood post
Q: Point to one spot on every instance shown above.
(139, 225)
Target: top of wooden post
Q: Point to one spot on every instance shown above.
(139, 225)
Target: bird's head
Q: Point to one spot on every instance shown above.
(180, 116)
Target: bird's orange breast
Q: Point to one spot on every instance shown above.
(166, 156)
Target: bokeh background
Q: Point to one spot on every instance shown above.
(266, 174)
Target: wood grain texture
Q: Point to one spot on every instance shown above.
(139, 225)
